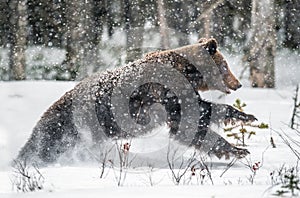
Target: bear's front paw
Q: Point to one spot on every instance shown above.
(248, 118)
(240, 152)
(230, 152)
(242, 117)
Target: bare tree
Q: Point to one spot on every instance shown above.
(163, 26)
(17, 39)
(262, 44)
(134, 27)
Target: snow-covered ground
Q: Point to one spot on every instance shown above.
(22, 104)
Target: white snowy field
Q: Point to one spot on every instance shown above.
(22, 104)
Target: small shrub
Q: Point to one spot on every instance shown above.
(239, 131)
(123, 163)
(26, 178)
(288, 180)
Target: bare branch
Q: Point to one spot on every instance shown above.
(203, 164)
(287, 140)
(27, 179)
(184, 166)
(229, 165)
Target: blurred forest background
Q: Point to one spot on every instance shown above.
(70, 39)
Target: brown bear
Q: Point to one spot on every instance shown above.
(88, 112)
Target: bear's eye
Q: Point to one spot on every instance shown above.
(224, 68)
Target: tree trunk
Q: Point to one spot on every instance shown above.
(134, 27)
(163, 26)
(206, 25)
(18, 34)
(182, 23)
(4, 24)
(262, 45)
(292, 24)
(81, 45)
(205, 17)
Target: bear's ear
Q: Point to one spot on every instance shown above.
(209, 44)
(202, 40)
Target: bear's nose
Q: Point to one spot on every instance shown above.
(239, 86)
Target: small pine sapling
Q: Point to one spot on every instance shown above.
(239, 105)
(288, 180)
(292, 182)
(240, 130)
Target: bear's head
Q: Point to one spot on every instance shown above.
(207, 60)
(210, 45)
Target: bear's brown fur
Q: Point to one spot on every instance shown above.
(85, 111)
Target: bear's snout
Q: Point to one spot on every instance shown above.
(232, 83)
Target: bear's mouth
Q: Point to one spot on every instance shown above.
(230, 86)
(234, 88)
(227, 91)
